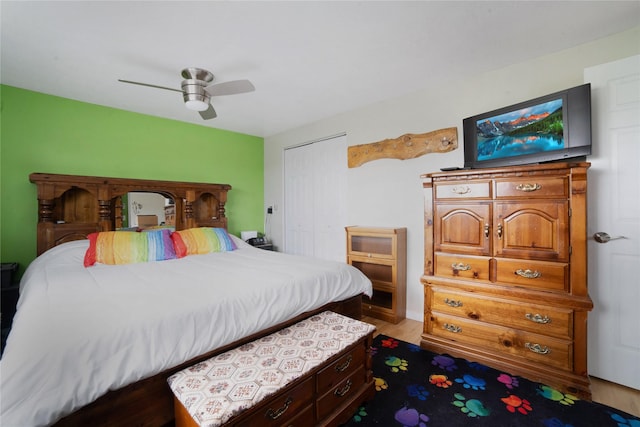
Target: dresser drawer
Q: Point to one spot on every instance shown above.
(341, 393)
(462, 267)
(463, 190)
(540, 319)
(553, 276)
(283, 408)
(335, 373)
(512, 342)
(531, 188)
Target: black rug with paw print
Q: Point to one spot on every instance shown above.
(415, 387)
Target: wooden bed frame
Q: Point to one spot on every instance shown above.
(71, 207)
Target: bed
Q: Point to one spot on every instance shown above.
(95, 345)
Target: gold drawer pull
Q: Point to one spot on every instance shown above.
(537, 318)
(486, 231)
(537, 348)
(460, 267)
(527, 188)
(452, 328)
(528, 274)
(461, 189)
(339, 392)
(275, 414)
(452, 303)
(343, 366)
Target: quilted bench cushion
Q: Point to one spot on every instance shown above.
(215, 390)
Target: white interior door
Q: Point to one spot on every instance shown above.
(614, 208)
(315, 199)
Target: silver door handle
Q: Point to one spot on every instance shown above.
(602, 237)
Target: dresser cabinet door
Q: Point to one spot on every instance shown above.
(463, 228)
(532, 230)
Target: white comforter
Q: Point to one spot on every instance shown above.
(80, 332)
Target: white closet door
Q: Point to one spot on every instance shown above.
(315, 199)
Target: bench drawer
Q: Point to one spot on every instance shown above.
(284, 407)
(335, 373)
(342, 393)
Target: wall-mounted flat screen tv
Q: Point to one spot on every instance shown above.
(553, 127)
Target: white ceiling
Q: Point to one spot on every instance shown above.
(308, 60)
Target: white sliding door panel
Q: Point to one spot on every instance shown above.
(299, 215)
(315, 199)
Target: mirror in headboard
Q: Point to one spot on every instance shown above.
(71, 206)
(138, 208)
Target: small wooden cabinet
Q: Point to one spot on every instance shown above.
(381, 254)
(505, 278)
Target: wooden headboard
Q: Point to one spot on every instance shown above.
(71, 206)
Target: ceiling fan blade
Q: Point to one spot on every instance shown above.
(209, 113)
(150, 85)
(230, 88)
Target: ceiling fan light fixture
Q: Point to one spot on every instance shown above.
(195, 97)
(196, 105)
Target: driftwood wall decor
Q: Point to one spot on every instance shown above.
(407, 146)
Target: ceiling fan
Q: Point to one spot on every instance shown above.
(197, 90)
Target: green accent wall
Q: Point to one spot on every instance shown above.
(49, 134)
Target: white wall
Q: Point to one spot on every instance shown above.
(389, 192)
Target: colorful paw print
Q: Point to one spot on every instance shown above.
(473, 408)
(359, 416)
(478, 366)
(396, 364)
(553, 394)
(373, 350)
(414, 348)
(514, 403)
(410, 417)
(440, 381)
(624, 422)
(555, 422)
(444, 362)
(390, 343)
(474, 383)
(417, 390)
(509, 381)
(380, 384)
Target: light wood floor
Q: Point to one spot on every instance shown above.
(610, 394)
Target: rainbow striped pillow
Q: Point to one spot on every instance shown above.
(127, 247)
(201, 241)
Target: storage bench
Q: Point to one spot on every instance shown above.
(315, 372)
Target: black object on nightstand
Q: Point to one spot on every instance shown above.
(9, 298)
(265, 246)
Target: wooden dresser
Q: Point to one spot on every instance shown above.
(505, 272)
(381, 254)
